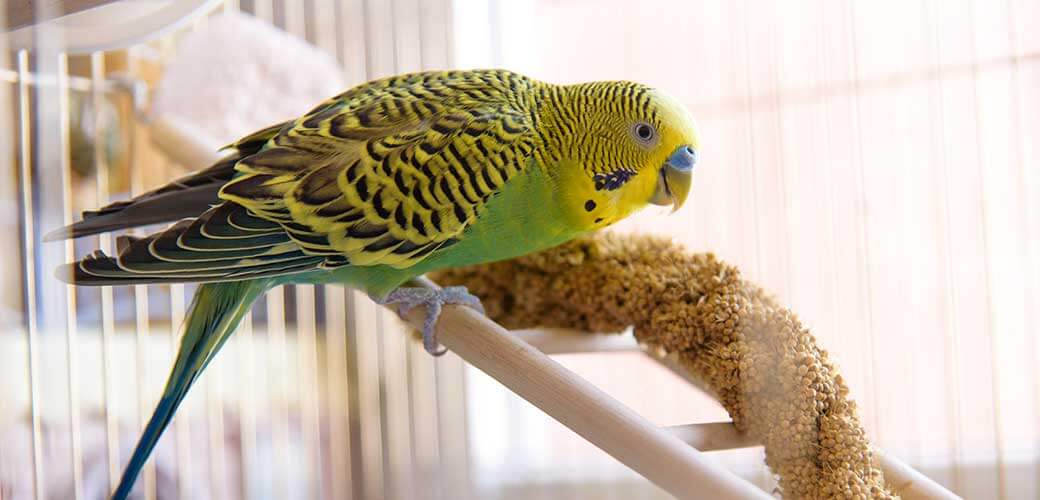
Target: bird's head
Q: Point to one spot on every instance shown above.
(632, 145)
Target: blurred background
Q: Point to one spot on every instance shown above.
(874, 164)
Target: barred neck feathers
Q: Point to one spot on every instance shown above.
(574, 121)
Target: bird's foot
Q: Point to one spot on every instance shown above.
(407, 298)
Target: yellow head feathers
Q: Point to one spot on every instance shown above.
(619, 146)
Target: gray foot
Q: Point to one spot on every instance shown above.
(407, 298)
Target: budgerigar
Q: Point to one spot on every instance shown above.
(389, 180)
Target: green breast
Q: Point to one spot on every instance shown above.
(524, 217)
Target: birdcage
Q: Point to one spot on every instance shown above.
(302, 407)
(324, 394)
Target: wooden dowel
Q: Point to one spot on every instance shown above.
(566, 341)
(908, 482)
(900, 478)
(182, 143)
(652, 452)
(713, 436)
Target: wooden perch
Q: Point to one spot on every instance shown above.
(908, 483)
(904, 480)
(567, 341)
(714, 436)
(652, 452)
(182, 142)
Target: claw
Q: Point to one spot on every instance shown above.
(408, 298)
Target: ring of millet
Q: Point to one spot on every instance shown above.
(752, 354)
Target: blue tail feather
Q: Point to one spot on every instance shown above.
(215, 312)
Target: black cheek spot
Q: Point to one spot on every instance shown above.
(590, 205)
(599, 219)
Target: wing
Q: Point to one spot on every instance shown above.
(394, 171)
(226, 243)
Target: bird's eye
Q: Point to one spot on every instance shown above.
(644, 132)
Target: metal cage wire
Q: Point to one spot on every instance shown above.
(321, 395)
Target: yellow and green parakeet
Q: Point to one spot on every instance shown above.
(384, 182)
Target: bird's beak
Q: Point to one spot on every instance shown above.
(673, 182)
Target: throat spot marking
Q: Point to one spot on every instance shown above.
(609, 181)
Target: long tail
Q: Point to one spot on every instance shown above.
(215, 312)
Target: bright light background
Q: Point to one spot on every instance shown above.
(872, 163)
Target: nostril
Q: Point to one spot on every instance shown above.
(683, 158)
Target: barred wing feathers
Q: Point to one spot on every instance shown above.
(224, 244)
(391, 177)
(385, 174)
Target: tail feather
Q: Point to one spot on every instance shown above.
(165, 207)
(225, 243)
(215, 312)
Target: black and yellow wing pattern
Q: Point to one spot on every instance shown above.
(384, 174)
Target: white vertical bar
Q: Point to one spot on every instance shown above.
(326, 23)
(367, 325)
(400, 472)
(247, 405)
(969, 334)
(276, 372)
(862, 244)
(264, 9)
(872, 109)
(379, 39)
(994, 343)
(950, 325)
(10, 296)
(452, 427)
(352, 39)
(307, 377)
(29, 249)
(71, 337)
(1024, 44)
(1004, 222)
(424, 422)
(145, 400)
(110, 395)
(295, 18)
(340, 438)
(754, 257)
(182, 423)
(215, 417)
(144, 397)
